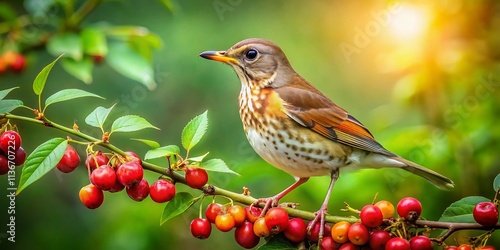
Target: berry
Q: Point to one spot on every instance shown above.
(200, 228)
(276, 219)
(196, 177)
(20, 157)
(386, 208)
(260, 229)
(69, 161)
(296, 230)
(117, 187)
(421, 243)
(328, 244)
(91, 196)
(486, 248)
(378, 239)
(348, 246)
(358, 234)
(313, 234)
(238, 214)
(252, 213)
(95, 160)
(371, 216)
(103, 177)
(486, 213)
(212, 211)
(10, 141)
(409, 208)
(339, 231)
(132, 156)
(397, 244)
(162, 191)
(129, 173)
(97, 59)
(138, 192)
(18, 64)
(245, 237)
(225, 222)
(451, 248)
(4, 164)
(464, 247)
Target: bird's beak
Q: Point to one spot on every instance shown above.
(219, 56)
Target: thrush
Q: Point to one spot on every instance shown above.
(296, 128)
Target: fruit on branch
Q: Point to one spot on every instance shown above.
(97, 59)
(139, 191)
(196, 177)
(200, 228)
(348, 246)
(486, 213)
(10, 141)
(378, 239)
(358, 234)
(225, 222)
(11, 152)
(95, 160)
(162, 191)
(212, 211)
(340, 230)
(328, 244)
(238, 214)
(20, 157)
(276, 220)
(313, 235)
(371, 216)
(421, 242)
(69, 161)
(91, 196)
(18, 64)
(4, 164)
(117, 187)
(252, 213)
(260, 229)
(464, 247)
(409, 208)
(130, 173)
(387, 208)
(397, 244)
(296, 230)
(245, 237)
(103, 177)
(13, 61)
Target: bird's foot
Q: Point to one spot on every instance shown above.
(319, 218)
(268, 203)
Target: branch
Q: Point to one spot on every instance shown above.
(453, 227)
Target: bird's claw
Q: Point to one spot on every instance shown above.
(320, 215)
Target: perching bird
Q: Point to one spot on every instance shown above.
(296, 128)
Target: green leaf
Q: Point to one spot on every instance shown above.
(198, 158)
(7, 12)
(496, 183)
(162, 152)
(68, 94)
(41, 78)
(217, 165)
(9, 105)
(97, 117)
(66, 43)
(131, 64)
(194, 131)
(150, 143)
(461, 211)
(81, 70)
(277, 242)
(180, 203)
(94, 42)
(129, 123)
(5, 92)
(44, 158)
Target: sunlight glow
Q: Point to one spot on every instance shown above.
(409, 22)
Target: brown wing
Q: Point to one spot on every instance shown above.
(311, 109)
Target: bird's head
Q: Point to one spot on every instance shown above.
(257, 62)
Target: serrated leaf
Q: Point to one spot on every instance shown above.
(97, 117)
(217, 165)
(129, 123)
(194, 131)
(162, 152)
(461, 210)
(5, 92)
(131, 64)
(496, 183)
(150, 143)
(81, 70)
(41, 78)
(9, 105)
(43, 159)
(277, 242)
(94, 42)
(198, 158)
(66, 43)
(68, 94)
(180, 203)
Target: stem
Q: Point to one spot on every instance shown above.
(77, 17)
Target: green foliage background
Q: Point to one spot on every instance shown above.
(434, 99)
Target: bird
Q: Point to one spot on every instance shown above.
(296, 128)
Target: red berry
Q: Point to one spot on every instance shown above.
(18, 64)
(132, 156)
(464, 247)
(245, 237)
(260, 229)
(486, 213)
(201, 228)
(371, 216)
(91, 196)
(162, 191)
(225, 222)
(358, 234)
(451, 248)
(252, 213)
(139, 192)
(103, 177)
(348, 246)
(397, 244)
(196, 177)
(129, 173)
(313, 234)
(378, 239)
(296, 230)
(4, 164)
(212, 211)
(97, 59)
(238, 214)
(339, 231)
(20, 156)
(10, 141)
(421, 243)
(276, 220)
(486, 248)
(95, 160)
(117, 187)
(328, 244)
(69, 161)
(409, 208)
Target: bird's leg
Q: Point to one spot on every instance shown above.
(273, 201)
(320, 215)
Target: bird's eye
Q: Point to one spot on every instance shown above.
(251, 54)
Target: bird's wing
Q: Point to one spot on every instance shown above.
(311, 109)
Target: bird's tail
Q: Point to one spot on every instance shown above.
(438, 180)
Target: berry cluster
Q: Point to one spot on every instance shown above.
(11, 152)
(13, 61)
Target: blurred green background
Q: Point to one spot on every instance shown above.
(422, 75)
